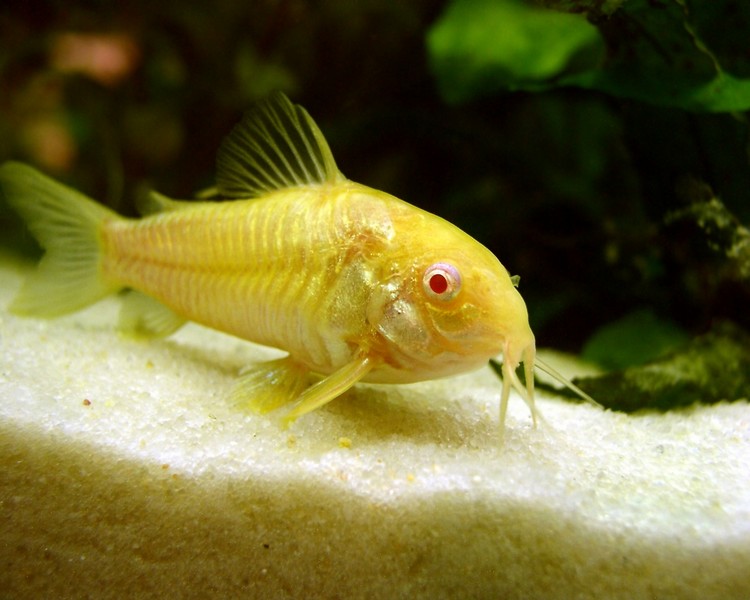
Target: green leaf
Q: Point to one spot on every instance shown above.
(720, 93)
(677, 53)
(482, 46)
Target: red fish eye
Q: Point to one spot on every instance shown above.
(442, 281)
(438, 283)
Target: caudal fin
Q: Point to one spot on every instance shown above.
(67, 224)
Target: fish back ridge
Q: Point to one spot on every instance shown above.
(68, 226)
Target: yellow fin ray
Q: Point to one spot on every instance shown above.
(331, 387)
(67, 224)
(270, 385)
(277, 145)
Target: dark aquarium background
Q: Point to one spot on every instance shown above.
(599, 148)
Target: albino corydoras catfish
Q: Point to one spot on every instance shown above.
(353, 283)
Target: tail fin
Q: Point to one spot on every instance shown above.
(67, 224)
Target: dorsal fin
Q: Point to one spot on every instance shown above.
(277, 145)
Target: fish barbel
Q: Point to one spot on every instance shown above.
(355, 284)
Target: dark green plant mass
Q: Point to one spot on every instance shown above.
(669, 81)
(675, 53)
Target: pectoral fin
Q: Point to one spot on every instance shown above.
(331, 387)
(270, 385)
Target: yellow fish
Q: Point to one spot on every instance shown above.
(355, 284)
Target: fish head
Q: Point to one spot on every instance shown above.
(446, 305)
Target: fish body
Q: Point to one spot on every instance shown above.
(355, 284)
